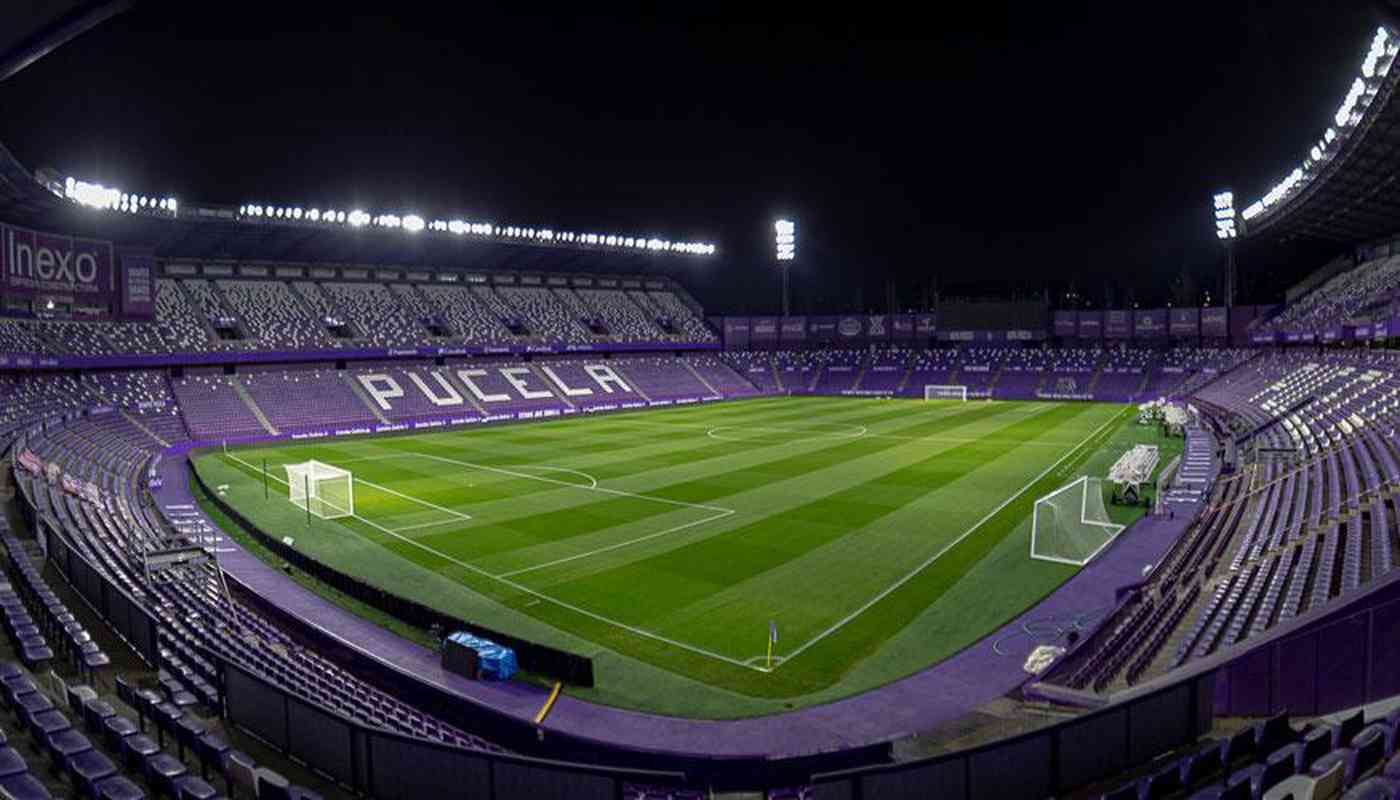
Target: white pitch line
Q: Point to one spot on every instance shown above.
(887, 591)
(423, 525)
(540, 595)
(459, 515)
(548, 599)
(570, 484)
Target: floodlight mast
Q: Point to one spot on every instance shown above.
(785, 239)
(1226, 232)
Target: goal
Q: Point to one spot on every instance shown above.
(325, 491)
(1071, 524)
(932, 392)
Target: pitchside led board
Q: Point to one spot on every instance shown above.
(39, 268)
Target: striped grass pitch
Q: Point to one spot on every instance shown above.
(879, 536)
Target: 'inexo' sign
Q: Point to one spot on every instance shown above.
(43, 263)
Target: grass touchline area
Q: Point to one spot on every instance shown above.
(663, 551)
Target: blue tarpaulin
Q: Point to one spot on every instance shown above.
(496, 661)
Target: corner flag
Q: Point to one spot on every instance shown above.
(772, 640)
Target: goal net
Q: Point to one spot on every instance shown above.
(1071, 524)
(327, 492)
(932, 392)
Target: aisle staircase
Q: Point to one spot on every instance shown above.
(242, 392)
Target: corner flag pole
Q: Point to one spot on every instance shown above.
(266, 491)
(772, 640)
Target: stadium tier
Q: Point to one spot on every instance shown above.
(299, 503)
(1276, 514)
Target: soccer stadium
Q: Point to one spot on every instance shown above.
(384, 499)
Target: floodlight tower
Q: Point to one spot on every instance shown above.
(1226, 232)
(785, 238)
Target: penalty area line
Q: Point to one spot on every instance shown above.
(887, 591)
(540, 596)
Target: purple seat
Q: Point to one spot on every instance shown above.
(1342, 755)
(16, 686)
(211, 748)
(136, 748)
(119, 788)
(187, 731)
(1373, 789)
(27, 705)
(161, 770)
(87, 769)
(11, 762)
(272, 786)
(191, 787)
(44, 723)
(115, 729)
(63, 744)
(95, 712)
(24, 787)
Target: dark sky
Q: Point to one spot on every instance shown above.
(999, 148)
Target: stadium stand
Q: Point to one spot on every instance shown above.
(1355, 295)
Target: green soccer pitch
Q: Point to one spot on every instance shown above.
(880, 536)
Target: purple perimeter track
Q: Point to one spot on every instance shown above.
(943, 692)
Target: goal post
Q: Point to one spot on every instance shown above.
(322, 490)
(936, 392)
(1071, 524)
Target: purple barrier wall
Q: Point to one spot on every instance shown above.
(1118, 324)
(1150, 323)
(1065, 324)
(736, 333)
(1215, 323)
(850, 330)
(793, 333)
(1342, 659)
(877, 328)
(1091, 324)
(1185, 322)
(925, 325)
(902, 328)
(821, 330)
(763, 333)
(27, 361)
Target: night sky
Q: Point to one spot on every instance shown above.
(997, 151)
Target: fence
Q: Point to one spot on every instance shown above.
(1046, 762)
(541, 659)
(391, 766)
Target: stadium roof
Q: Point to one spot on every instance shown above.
(1345, 191)
(32, 30)
(197, 232)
